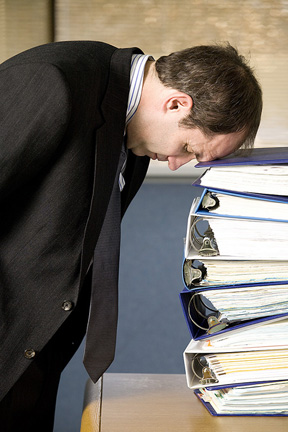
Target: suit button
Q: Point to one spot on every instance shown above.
(67, 305)
(29, 354)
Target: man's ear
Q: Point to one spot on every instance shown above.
(179, 102)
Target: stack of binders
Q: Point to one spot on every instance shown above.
(235, 273)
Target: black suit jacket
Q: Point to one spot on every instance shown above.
(62, 117)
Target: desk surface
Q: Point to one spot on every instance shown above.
(159, 403)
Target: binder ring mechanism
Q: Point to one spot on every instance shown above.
(214, 323)
(193, 273)
(199, 365)
(205, 244)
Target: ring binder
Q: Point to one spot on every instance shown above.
(208, 376)
(201, 272)
(215, 242)
(271, 400)
(215, 325)
(193, 275)
(210, 201)
(227, 310)
(213, 321)
(205, 244)
(235, 273)
(219, 365)
(224, 203)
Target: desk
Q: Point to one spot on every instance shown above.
(159, 403)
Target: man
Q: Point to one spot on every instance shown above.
(78, 124)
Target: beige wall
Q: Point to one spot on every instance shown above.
(162, 26)
(24, 24)
(259, 28)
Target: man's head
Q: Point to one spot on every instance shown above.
(203, 100)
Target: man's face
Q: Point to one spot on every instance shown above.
(179, 145)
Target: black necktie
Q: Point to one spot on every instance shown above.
(102, 323)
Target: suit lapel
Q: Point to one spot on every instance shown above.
(109, 141)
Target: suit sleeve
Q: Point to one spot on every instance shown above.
(34, 113)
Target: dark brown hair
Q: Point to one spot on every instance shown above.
(226, 95)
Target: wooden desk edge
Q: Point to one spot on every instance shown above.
(92, 407)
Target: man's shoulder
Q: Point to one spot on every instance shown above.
(64, 52)
(81, 56)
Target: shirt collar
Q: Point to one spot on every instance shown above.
(138, 63)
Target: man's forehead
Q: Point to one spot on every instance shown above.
(222, 145)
